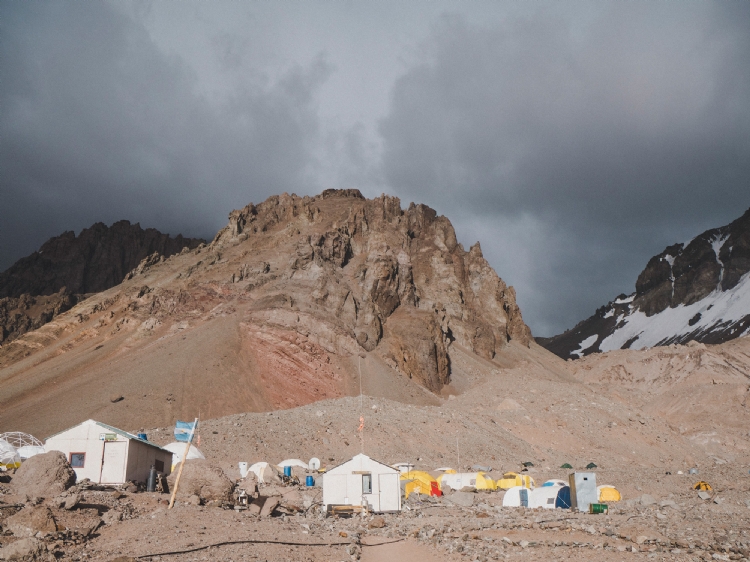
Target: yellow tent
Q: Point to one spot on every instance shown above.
(704, 486)
(420, 482)
(416, 486)
(484, 482)
(420, 475)
(608, 494)
(512, 479)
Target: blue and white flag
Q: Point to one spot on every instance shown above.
(183, 430)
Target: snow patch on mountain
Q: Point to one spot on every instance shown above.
(716, 244)
(585, 344)
(718, 310)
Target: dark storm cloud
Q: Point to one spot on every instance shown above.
(98, 124)
(578, 149)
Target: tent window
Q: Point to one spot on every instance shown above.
(77, 460)
(159, 465)
(367, 483)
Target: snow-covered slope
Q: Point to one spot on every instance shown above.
(698, 290)
(722, 314)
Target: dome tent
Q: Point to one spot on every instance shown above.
(517, 496)
(608, 493)
(421, 482)
(178, 449)
(293, 462)
(27, 445)
(550, 496)
(513, 479)
(471, 480)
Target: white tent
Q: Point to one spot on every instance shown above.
(178, 449)
(517, 496)
(555, 483)
(550, 497)
(9, 457)
(265, 472)
(293, 462)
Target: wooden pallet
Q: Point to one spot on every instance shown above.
(338, 510)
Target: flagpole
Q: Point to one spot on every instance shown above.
(182, 464)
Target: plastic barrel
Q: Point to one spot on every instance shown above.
(309, 480)
(598, 508)
(143, 436)
(288, 471)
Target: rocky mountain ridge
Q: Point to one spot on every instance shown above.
(693, 291)
(289, 303)
(40, 286)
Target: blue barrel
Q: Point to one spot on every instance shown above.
(143, 437)
(309, 480)
(288, 471)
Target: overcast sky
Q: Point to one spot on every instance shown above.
(573, 140)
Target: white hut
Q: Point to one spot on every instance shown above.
(107, 455)
(362, 481)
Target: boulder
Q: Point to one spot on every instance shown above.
(377, 522)
(25, 549)
(30, 521)
(269, 505)
(45, 475)
(201, 478)
(464, 499)
(647, 499)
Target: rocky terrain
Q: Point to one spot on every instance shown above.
(529, 407)
(278, 311)
(68, 267)
(693, 291)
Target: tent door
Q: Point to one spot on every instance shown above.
(523, 495)
(390, 492)
(113, 462)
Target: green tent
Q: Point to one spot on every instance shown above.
(590, 465)
(566, 465)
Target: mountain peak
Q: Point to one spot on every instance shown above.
(694, 291)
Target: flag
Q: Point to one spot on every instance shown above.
(183, 431)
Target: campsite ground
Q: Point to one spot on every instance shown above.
(677, 526)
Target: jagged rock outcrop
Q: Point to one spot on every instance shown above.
(364, 260)
(694, 291)
(39, 287)
(26, 313)
(95, 260)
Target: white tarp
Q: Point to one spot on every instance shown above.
(9, 457)
(265, 472)
(28, 451)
